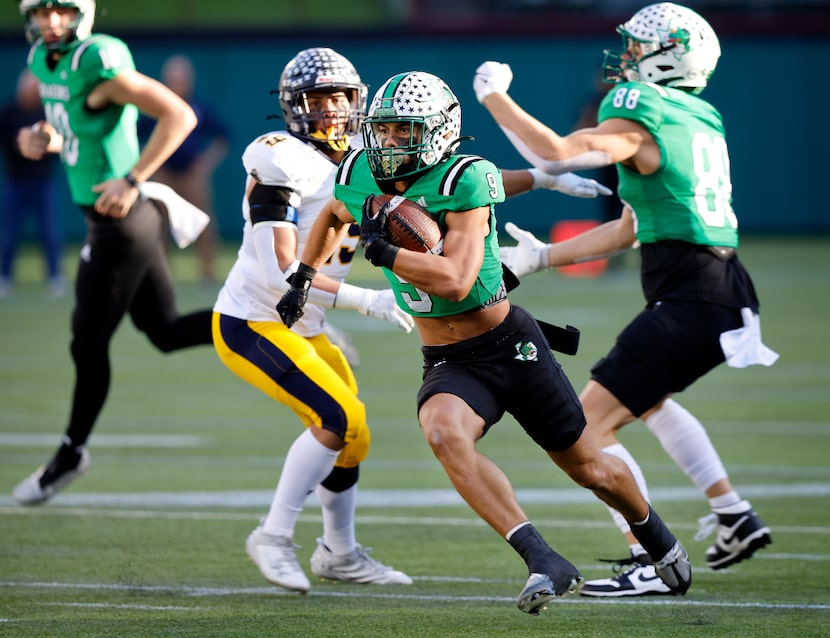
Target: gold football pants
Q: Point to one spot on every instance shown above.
(310, 375)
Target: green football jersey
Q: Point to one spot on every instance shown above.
(689, 197)
(98, 145)
(462, 182)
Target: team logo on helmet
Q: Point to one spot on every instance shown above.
(679, 38)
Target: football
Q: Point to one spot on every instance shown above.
(409, 225)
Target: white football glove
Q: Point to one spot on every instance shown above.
(492, 77)
(379, 304)
(569, 184)
(528, 256)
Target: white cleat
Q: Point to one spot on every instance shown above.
(276, 558)
(355, 567)
(638, 580)
(50, 479)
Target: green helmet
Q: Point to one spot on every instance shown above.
(80, 29)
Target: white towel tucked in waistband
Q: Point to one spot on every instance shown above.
(742, 347)
(186, 220)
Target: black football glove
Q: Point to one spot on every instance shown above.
(290, 306)
(376, 247)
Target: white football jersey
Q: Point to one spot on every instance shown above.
(279, 159)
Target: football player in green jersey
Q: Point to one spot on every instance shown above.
(482, 356)
(92, 93)
(670, 151)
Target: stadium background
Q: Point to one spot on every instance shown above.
(768, 85)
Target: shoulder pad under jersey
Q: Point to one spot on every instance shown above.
(279, 159)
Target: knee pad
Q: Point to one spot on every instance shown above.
(341, 478)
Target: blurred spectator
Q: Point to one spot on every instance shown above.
(189, 171)
(29, 187)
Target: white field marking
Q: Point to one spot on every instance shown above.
(408, 521)
(117, 606)
(365, 593)
(756, 428)
(21, 439)
(409, 498)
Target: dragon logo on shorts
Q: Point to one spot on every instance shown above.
(526, 351)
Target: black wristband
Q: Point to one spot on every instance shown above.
(131, 180)
(380, 252)
(302, 278)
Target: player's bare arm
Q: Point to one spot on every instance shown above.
(597, 243)
(175, 121)
(531, 255)
(174, 117)
(327, 233)
(615, 140)
(516, 182)
(452, 274)
(285, 245)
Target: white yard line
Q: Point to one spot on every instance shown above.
(429, 498)
(364, 593)
(22, 439)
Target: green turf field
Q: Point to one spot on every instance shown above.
(185, 457)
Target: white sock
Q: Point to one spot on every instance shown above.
(729, 503)
(307, 463)
(686, 442)
(621, 453)
(338, 518)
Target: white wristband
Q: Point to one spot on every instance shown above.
(542, 179)
(351, 297)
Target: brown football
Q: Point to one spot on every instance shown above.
(409, 225)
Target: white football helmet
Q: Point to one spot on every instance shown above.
(426, 103)
(321, 69)
(665, 43)
(79, 30)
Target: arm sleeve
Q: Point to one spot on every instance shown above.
(269, 207)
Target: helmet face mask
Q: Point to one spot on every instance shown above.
(310, 83)
(402, 158)
(666, 44)
(78, 29)
(414, 122)
(328, 116)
